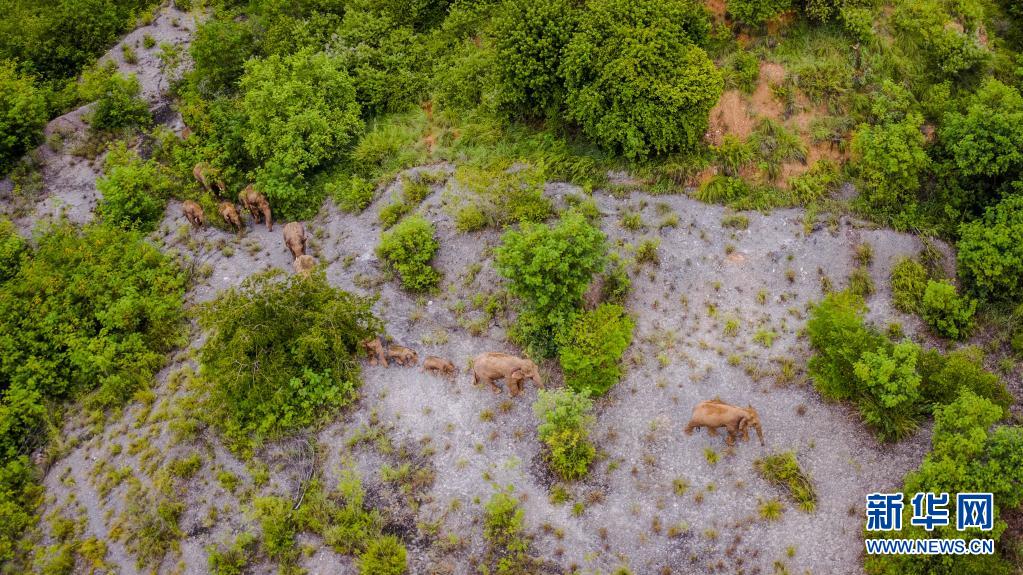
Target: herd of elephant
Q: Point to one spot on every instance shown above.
(256, 204)
(491, 366)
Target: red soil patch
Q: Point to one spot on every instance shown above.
(730, 116)
(814, 153)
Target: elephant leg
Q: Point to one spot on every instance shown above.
(712, 431)
(730, 438)
(492, 385)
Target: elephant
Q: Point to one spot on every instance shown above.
(488, 366)
(304, 265)
(439, 366)
(209, 178)
(376, 351)
(294, 238)
(193, 213)
(715, 413)
(230, 215)
(401, 355)
(257, 205)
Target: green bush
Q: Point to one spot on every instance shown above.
(352, 194)
(504, 531)
(756, 12)
(744, 71)
(565, 420)
(95, 312)
(470, 218)
(12, 246)
(839, 338)
(949, 51)
(277, 522)
(300, 112)
(135, 191)
(890, 390)
(986, 142)
(383, 556)
(591, 348)
(783, 469)
(949, 314)
(631, 93)
(118, 104)
(549, 269)
(990, 251)
(945, 377)
(529, 37)
(409, 248)
(233, 559)
(297, 340)
(909, 280)
(23, 114)
(219, 50)
(890, 159)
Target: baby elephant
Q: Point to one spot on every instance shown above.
(193, 213)
(257, 205)
(714, 413)
(304, 265)
(439, 366)
(294, 238)
(376, 351)
(403, 356)
(489, 366)
(230, 215)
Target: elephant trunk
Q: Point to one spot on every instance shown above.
(760, 433)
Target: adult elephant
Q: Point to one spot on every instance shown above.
(490, 366)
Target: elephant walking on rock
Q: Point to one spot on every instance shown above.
(715, 413)
(491, 365)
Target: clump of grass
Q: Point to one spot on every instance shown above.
(646, 251)
(864, 255)
(860, 282)
(679, 486)
(783, 469)
(735, 221)
(633, 221)
(711, 456)
(765, 337)
(770, 510)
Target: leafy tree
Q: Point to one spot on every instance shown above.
(890, 159)
(945, 311)
(944, 378)
(564, 429)
(549, 268)
(890, 389)
(909, 280)
(23, 114)
(219, 50)
(591, 348)
(756, 12)
(389, 63)
(990, 251)
(385, 555)
(300, 112)
(118, 104)
(529, 37)
(296, 340)
(637, 80)
(409, 247)
(839, 338)
(135, 191)
(951, 51)
(12, 246)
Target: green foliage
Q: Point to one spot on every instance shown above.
(633, 94)
(549, 269)
(297, 340)
(783, 469)
(774, 144)
(409, 248)
(341, 517)
(756, 12)
(504, 531)
(990, 251)
(591, 348)
(744, 71)
(12, 246)
(909, 280)
(890, 390)
(233, 559)
(949, 314)
(502, 197)
(219, 49)
(945, 377)
(890, 159)
(352, 194)
(23, 114)
(300, 112)
(839, 337)
(135, 191)
(277, 522)
(383, 556)
(565, 420)
(118, 104)
(949, 47)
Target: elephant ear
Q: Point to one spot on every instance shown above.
(743, 422)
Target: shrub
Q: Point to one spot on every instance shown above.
(783, 469)
(549, 268)
(591, 348)
(565, 420)
(744, 72)
(529, 37)
(756, 12)
(135, 191)
(118, 104)
(909, 280)
(890, 159)
(233, 559)
(23, 114)
(12, 246)
(408, 248)
(277, 523)
(945, 311)
(352, 194)
(297, 340)
(890, 390)
(635, 95)
(470, 218)
(383, 556)
(987, 140)
(300, 112)
(504, 532)
(839, 338)
(990, 251)
(219, 50)
(963, 368)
